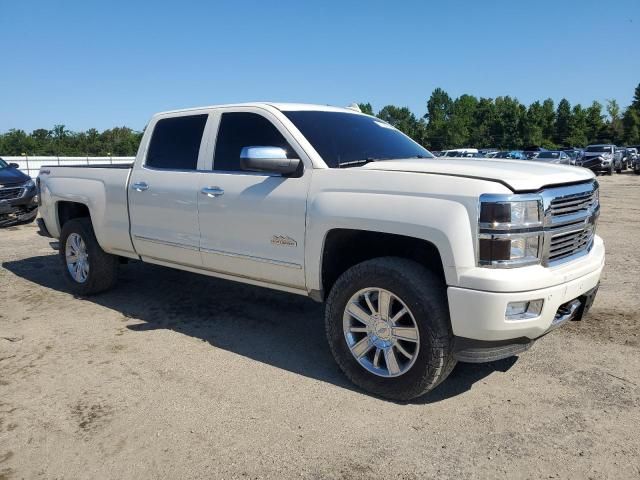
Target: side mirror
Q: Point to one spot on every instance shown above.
(14, 165)
(268, 159)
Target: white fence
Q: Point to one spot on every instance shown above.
(31, 165)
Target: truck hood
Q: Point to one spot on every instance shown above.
(518, 175)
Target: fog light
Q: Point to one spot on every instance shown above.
(524, 310)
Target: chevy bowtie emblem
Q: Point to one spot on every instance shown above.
(283, 241)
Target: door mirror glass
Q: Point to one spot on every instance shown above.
(268, 159)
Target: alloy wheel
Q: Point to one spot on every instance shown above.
(381, 332)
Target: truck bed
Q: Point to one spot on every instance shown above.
(102, 188)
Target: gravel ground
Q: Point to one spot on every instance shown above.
(175, 375)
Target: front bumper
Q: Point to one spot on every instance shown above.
(480, 315)
(595, 164)
(21, 209)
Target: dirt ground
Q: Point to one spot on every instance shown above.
(175, 375)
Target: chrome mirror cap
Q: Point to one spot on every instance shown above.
(268, 159)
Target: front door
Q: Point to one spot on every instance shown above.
(252, 225)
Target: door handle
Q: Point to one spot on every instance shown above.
(140, 186)
(212, 192)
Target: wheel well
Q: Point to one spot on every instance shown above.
(344, 248)
(70, 210)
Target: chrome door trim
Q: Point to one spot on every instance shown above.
(250, 257)
(229, 276)
(218, 252)
(165, 242)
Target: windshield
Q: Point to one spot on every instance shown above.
(3, 164)
(348, 139)
(548, 155)
(599, 148)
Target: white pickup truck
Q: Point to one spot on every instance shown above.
(421, 261)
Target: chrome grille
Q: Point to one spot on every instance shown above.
(570, 204)
(10, 193)
(570, 218)
(564, 245)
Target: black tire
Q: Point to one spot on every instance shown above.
(610, 172)
(426, 297)
(103, 267)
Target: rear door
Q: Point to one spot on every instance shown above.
(253, 224)
(163, 192)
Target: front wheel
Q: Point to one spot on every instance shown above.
(87, 268)
(387, 323)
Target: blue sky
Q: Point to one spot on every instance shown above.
(111, 63)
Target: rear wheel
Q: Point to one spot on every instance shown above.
(387, 322)
(87, 268)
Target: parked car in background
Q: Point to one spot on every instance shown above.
(620, 159)
(635, 159)
(552, 156)
(18, 202)
(533, 150)
(491, 154)
(458, 152)
(512, 154)
(574, 154)
(598, 158)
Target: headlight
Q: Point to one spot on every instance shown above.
(29, 184)
(510, 230)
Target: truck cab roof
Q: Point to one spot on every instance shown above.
(282, 106)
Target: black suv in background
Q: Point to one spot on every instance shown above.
(18, 199)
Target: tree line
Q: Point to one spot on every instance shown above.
(505, 123)
(119, 141)
(465, 121)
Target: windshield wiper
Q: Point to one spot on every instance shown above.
(354, 163)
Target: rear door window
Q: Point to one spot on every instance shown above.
(175, 143)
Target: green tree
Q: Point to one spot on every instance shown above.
(615, 121)
(533, 125)
(60, 141)
(595, 122)
(439, 108)
(484, 118)
(461, 120)
(631, 124)
(577, 128)
(563, 120)
(548, 120)
(507, 123)
(402, 119)
(366, 108)
(635, 103)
